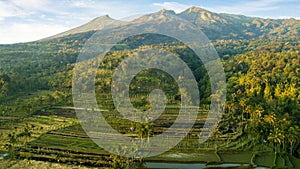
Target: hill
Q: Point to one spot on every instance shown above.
(99, 23)
(215, 25)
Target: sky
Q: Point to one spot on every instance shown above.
(29, 20)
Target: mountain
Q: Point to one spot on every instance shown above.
(51, 55)
(96, 24)
(229, 26)
(215, 25)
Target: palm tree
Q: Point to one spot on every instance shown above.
(216, 134)
(277, 137)
(12, 139)
(293, 137)
(270, 118)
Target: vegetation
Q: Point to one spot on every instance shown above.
(262, 114)
(264, 94)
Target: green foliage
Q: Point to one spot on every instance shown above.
(263, 89)
(4, 85)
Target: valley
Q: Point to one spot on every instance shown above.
(260, 126)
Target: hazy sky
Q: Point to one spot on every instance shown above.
(28, 20)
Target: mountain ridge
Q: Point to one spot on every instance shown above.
(215, 25)
(96, 24)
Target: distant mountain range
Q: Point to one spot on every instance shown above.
(216, 26)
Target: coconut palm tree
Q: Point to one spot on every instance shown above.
(293, 138)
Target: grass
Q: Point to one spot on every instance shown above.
(24, 96)
(39, 125)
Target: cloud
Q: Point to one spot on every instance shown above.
(30, 4)
(17, 32)
(22, 21)
(20, 8)
(175, 6)
(251, 7)
(288, 17)
(116, 9)
(82, 3)
(9, 10)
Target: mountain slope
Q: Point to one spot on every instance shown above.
(215, 25)
(229, 26)
(96, 24)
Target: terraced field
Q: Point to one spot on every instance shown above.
(58, 137)
(72, 145)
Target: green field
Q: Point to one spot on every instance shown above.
(57, 137)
